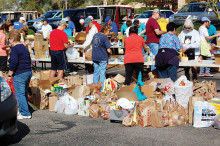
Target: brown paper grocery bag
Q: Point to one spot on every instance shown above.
(192, 101)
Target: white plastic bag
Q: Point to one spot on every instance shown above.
(71, 105)
(167, 86)
(216, 123)
(66, 104)
(182, 93)
(60, 105)
(204, 114)
(72, 53)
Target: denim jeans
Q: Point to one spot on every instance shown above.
(99, 72)
(154, 47)
(21, 84)
(207, 69)
(169, 72)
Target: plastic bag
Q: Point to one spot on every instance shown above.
(71, 105)
(204, 114)
(72, 53)
(216, 123)
(182, 93)
(66, 104)
(167, 86)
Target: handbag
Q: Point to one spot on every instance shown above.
(190, 53)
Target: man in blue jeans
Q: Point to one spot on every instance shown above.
(153, 33)
(100, 49)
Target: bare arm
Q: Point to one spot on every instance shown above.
(68, 45)
(109, 50)
(211, 37)
(146, 48)
(142, 32)
(159, 32)
(74, 32)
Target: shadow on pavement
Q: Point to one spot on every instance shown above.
(23, 130)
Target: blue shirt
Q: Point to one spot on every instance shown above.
(171, 41)
(71, 26)
(20, 60)
(18, 25)
(114, 27)
(100, 43)
(68, 32)
(123, 28)
(212, 31)
(141, 28)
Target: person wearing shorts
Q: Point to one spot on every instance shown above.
(58, 45)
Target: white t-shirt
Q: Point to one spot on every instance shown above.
(203, 32)
(46, 30)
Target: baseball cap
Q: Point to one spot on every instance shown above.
(205, 19)
(90, 17)
(107, 19)
(87, 21)
(45, 19)
(62, 22)
(156, 11)
(22, 18)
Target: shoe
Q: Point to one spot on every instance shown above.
(208, 74)
(20, 117)
(201, 74)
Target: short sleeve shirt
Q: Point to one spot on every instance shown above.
(57, 40)
(71, 26)
(203, 32)
(212, 31)
(114, 27)
(171, 41)
(18, 25)
(150, 27)
(100, 43)
(133, 49)
(141, 28)
(123, 28)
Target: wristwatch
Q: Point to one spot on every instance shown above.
(10, 76)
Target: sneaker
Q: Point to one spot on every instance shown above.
(201, 74)
(20, 117)
(208, 74)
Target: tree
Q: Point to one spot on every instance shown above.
(214, 5)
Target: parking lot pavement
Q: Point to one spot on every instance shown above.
(48, 128)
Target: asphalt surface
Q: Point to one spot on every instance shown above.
(49, 128)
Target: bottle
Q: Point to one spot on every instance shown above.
(32, 54)
(47, 55)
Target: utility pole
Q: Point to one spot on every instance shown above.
(66, 4)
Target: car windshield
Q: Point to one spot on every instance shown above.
(146, 14)
(193, 8)
(48, 15)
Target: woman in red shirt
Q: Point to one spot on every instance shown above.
(133, 54)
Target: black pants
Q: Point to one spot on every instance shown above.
(194, 73)
(3, 63)
(129, 67)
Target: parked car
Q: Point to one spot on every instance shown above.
(136, 16)
(194, 11)
(143, 18)
(14, 16)
(8, 110)
(55, 16)
(117, 13)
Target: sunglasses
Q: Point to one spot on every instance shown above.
(187, 27)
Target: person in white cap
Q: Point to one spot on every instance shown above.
(81, 22)
(20, 23)
(205, 46)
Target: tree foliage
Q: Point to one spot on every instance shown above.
(213, 5)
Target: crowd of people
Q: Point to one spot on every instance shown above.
(158, 34)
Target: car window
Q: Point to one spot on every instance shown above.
(92, 12)
(193, 8)
(146, 14)
(166, 14)
(80, 13)
(69, 13)
(48, 15)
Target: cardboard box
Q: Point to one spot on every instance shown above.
(83, 109)
(45, 74)
(52, 102)
(119, 78)
(80, 91)
(40, 49)
(217, 58)
(44, 84)
(80, 38)
(38, 37)
(74, 80)
(39, 98)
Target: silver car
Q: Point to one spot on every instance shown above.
(194, 11)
